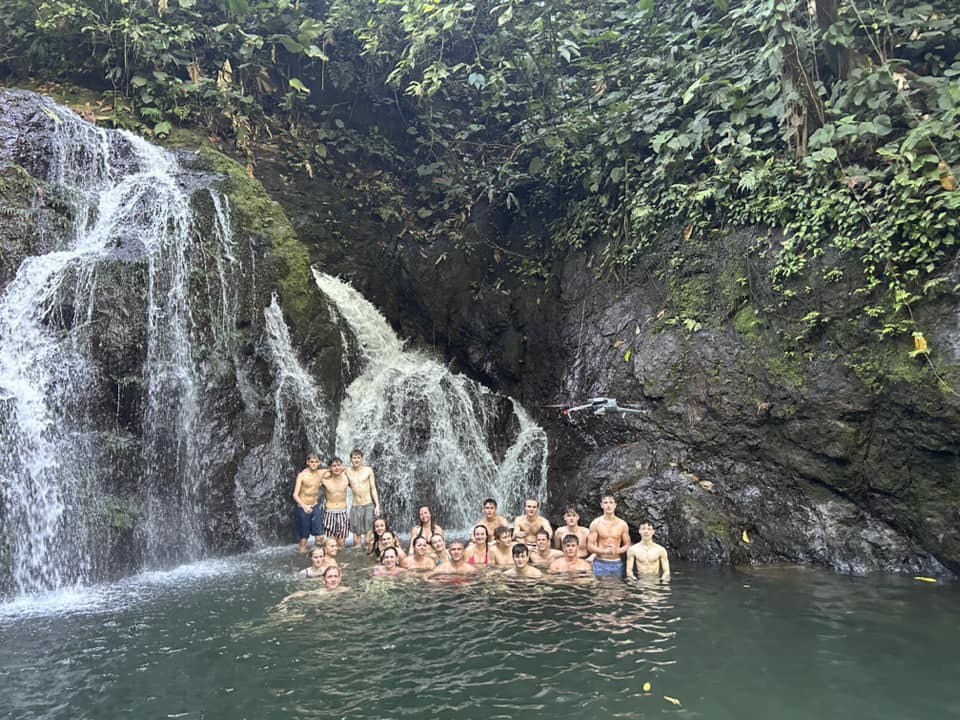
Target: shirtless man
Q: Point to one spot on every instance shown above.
(501, 549)
(647, 557)
(521, 564)
(609, 538)
(491, 520)
(572, 526)
(456, 565)
(525, 527)
(306, 494)
(543, 554)
(571, 562)
(419, 559)
(334, 484)
(331, 584)
(366, 498)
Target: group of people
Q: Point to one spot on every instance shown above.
(528, 548)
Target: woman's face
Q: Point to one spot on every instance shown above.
(388, 539)
(316, 557)
(425, 515)
(389, 558)
(331, 547)
(480, 535)
(437, 543)
(379, 526)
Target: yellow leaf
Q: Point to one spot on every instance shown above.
(626, 358)
(671, 700)
(947, 181)
(924, 579)
(646, 687)
(618, 343)
(746, 538)
(687, 232)
(919, 342)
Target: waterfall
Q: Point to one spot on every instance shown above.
(264, 484)
(128, 201)
(433, 437)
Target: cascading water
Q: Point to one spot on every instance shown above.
(128, 201)
(299, 409)
(432, 437)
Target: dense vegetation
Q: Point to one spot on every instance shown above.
(835, 120)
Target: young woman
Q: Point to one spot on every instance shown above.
(420, 559)
(388, 563)
(478, 551)
(438, 548)
(317, 564)
(389, 540)
(426, 529)
(374, 538)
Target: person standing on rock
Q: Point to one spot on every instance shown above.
(647, 557)
(366, 498)
(306, 494)
(334, 484)
(609, 538)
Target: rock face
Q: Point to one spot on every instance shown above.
(826, 445)
(123, 448)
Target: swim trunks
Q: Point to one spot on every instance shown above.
(608, 568)
(337, 523)
(361, 519)
(309, 523)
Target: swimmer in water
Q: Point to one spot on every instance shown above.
(521, 564)
(425, 529)
(478, 551)
(572, 526)
(542, 555)
(457, 564)
(420, 560)
(647, 557)
(570, 562)
(438, 548)
(331, 584)
(501, 551)
(389, 564)
(609, 538)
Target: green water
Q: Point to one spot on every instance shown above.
(206, 642)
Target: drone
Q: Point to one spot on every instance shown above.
(599, 406)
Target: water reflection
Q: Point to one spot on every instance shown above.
(209, 641)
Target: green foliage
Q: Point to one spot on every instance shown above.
(595, 123)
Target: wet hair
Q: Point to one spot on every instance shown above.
(645, 521)
(489, 501)
(500, 531)
(327, 571)
(434, 537)
(456, 541)
(570, 509)
(313, 456)
(356, 451)
(571, 539)
(335, 460)
(607, 495)
(420, 524)
(533, 500)
(318, 549)
(396, 553)
(520, 549)
(543, 532)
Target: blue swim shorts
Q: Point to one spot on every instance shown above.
(309, 523)
(608, 568)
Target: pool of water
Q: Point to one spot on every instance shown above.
(206, 641)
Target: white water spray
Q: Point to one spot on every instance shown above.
(433, 437)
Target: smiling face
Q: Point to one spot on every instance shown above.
(646, 531)
(420, 547)
(356, 460)
(543, 542)
(331, 547)
(379, 527)
(388, 539)
(520, 559)
(480, 535)
(456, 551)
(438, 544)
(389, 558)
(425, 516)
